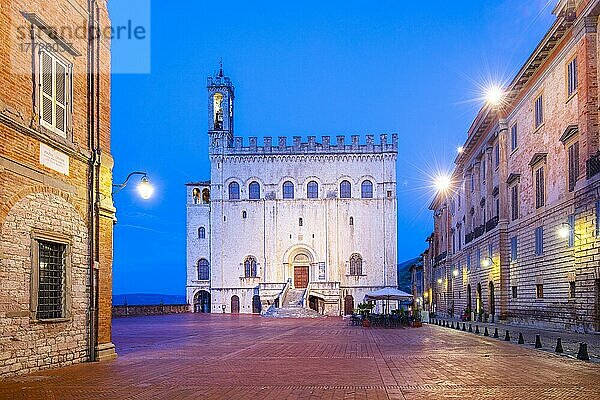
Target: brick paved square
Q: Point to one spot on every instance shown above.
(195, 356)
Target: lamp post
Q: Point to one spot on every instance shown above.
(144, 188)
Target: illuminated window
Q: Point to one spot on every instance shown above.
(539, 291)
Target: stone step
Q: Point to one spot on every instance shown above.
(296, 312)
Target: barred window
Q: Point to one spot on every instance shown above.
(539, 291)
(540, 188)
(51, 280)
(345, 190)
(366, 190)
(55, 89)
(234, 191)
(203, 270)
(312, 190)
(356, 265)
(539, 241)
(288, 190)
(571, 222)
(539, 111)
(201, 233)
(572, 77)
(573, 165)
(254, 191)
(250, 270)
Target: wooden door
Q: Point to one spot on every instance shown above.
(300, 276)
(348, 305)
(235, 304)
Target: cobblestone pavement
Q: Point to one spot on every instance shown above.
(570, 340)
(194, 356)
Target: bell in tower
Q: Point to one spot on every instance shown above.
(220, 109)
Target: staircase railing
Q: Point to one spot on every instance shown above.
(305, 296)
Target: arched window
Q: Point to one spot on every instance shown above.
(205, 196)
(196, 196)
(250, 270)
(201, 233)
(288, 190)
(345, 190)
(366, 190)
(218, 111)
(356, 265)
(312, 190)
(234, 191)
(300, 222)
(244, 214)
(351, 221)
(254, 191)
(203, 270)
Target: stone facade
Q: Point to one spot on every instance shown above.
(517, 238)
(259, 243)
(46, 165)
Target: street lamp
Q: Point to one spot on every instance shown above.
(145, 189)
(455, 272)
(487, 262)
(439, 281)
(566, 230)
(442, 182)
(460, 149)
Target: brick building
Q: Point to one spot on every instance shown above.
(517, 236)
(56, 211)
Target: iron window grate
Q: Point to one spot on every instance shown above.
(51, 280)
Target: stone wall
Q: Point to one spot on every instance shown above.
(158, 309)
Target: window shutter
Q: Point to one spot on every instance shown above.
(47, 87)
(60, 95)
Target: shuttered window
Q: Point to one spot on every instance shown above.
(54, 93)
(539, 111)
(514, 202)
(573, 167)
(572, 77)
(514, 139)
(540, 188)
(571, 222)
(539, 241)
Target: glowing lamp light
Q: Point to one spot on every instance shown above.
(145, 189)
(486, 262)
(460, 149)
(564, 231)
(439, 281)
(494, 95)
(455, 273)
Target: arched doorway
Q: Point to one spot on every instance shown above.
(492, 300)
(348, 305)
(469, 301)
(235, 304)
(256, 306)
(301, 265)
(479, 304)
(316, 303)
(202, 302)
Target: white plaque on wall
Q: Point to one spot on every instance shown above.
(54, 159)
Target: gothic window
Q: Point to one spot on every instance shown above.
(312, 190)
(218, 111)
(288, 190)
(366, 190)
(355, 265)
(345, 190)
(201, 233)
(250, 270)
(205, 196)
(254, 191)
(234, 191)
(203, 270)
(196, 196)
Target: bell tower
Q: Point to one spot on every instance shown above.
(220, 110)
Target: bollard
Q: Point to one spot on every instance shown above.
(583, 353)
(521, 340)
(458, 326)
(470, 328)
(559, 348)
(477, 329)
(464, 328)
(538, 342)
(451, 325)
(496, 333)
(507, 336)
(485, 332)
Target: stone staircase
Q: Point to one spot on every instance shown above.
(292, 307)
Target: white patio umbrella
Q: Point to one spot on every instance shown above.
(388, 294)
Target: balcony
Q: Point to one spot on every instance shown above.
(491, 224)
(593, 165)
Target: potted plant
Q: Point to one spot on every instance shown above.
(416, 323)
(365, 309)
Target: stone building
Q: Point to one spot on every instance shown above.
(517, 237)
(313, 221)
(56, 212)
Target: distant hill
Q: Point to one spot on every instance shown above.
(404, 276)
(147, 299)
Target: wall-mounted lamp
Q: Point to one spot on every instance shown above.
(566, 230)
(455, 273)
(487, 262)
(145, 189)
(439, 281)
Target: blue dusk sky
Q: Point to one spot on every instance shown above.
(302, 68)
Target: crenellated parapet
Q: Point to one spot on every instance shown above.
(298, 146)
